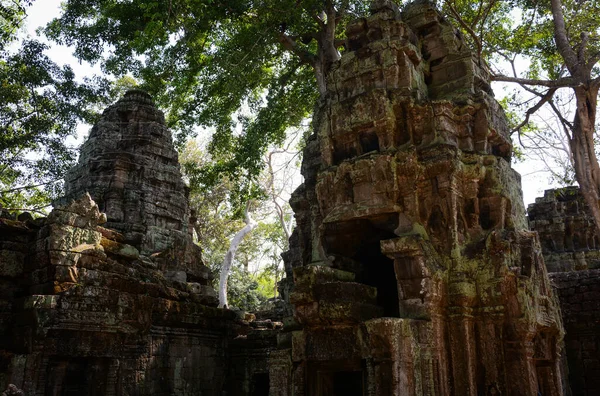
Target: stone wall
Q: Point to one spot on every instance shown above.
(579, 293)
(113, 298)
(572, 255)
(15, 241)
(566, 230)
(91, 318)
(411, 271)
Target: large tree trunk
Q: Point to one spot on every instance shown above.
(235, 243)
(587, 171)
(327, 52)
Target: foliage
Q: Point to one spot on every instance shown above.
(544, 142)
(247, 69)
(517, 40)
(216, 222)
(40, 108)
(255, 268)
(267, 282)
(509, 30)
(255, 272)
(12, 15)
(560, 41)
(248, 291)
(263, 245)
(525, 42)
(120, 86)
(243, 291)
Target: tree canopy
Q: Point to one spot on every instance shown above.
(248, 69)
(559, 40)
(12, 15)
(41, 106)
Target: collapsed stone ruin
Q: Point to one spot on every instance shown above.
(411, 271)
(571, 250)
(108, 295)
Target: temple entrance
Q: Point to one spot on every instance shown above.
(341, 378)
(77, 377)
(355, 246)
(260, 384)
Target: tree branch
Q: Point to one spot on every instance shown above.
(584, 41)
(565, 123)
(560, 83)
(468, 28)
(562, 39)
(35, 210)
(544, 99)
(235, 242)
(487, 11)
(291, 45)
(274, 196)
(26, 187)
(476, 19)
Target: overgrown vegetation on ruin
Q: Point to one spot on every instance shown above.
(250, 70)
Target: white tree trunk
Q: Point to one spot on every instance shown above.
(235, 242)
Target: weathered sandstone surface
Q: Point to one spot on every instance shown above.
(108, 295)
(572, 254)
(412, 271)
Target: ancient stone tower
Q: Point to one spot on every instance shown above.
(411, 270)
(108, 295)
(129, 167)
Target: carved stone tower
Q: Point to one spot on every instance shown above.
(130, 168)
(411, 271)
(114, 303)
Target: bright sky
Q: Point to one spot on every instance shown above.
(534, 180)
(39, 14)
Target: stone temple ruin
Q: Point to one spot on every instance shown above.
(412, 270)
(571, 250)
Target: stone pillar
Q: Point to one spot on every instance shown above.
(280, 373)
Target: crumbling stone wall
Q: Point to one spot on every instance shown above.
(16, 237)
(579, 293)
(411, 271)
(566, 230)
(92, 318)
(130, 168)
(108, 295)
(572, 255)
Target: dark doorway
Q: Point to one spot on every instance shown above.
(260, 384)
(337, 378)
(343, 383)
(77, 377)
(369, 142)
(359, 241)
